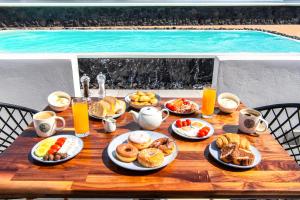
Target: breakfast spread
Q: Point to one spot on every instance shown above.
(182, 106)
(235, 149)
(108, 106)
(140, 99)
(55, 149)
(192, 128)
(142, 148)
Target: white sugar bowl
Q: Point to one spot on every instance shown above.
(228, 102)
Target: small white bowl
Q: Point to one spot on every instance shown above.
(52, 98)
(228, 106)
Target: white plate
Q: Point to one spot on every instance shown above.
(111, 150)
(215, 152)
(192, 112)
(205, 123)
(80, 146)
(128, 101)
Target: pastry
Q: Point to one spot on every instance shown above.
(134, 97)
(228, 152)
(231, 153)
(126, 152)
(233, 138)
(140, 139)
(144, 98)
(151, 157)
(166, 145)
(141, 99)
(228, 138)
(140, 93)
(150, 94)
(244, 143)
(153, 101)
(244, 157)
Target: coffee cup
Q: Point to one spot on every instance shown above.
(45, 123)
(251, 121)
(109, 124)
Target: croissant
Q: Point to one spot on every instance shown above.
(230, 138)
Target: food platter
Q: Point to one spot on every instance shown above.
(192, 134)
(77, 149)
(194, 105)
(111, 150)
(129, 102)
(215, 153)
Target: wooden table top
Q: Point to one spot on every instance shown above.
(194, 173)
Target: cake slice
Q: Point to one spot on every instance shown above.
(245, 157)
(228, 152)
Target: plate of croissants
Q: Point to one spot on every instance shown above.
(107, 107)
(235, 151)
(142, 150)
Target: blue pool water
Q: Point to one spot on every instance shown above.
(165, 41)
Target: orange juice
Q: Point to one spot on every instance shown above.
(81, 117)
(208, 102)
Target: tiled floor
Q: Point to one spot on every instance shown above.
(162, 93)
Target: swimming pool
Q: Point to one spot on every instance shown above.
(162, 41)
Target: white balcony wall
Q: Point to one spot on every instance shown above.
(259, 80)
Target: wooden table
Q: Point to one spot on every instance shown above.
(194, 173)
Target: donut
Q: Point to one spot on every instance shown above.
(166, 145)
(126, 152)
(139, 139)
(151, 157)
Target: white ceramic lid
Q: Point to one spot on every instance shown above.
(149, 110)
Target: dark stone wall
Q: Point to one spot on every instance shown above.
(144, 16)
(148, 73)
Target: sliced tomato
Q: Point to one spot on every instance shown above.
(184, 123)
(206, 128)
(203, 132)
(51, 151)
(172, 108)
(60, 143)
(168, 105)
(200, 133)
(55, 147)
(188, 121)
(178, 123)
(62, 139)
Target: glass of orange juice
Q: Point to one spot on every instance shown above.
(80, 116)
(208, 101)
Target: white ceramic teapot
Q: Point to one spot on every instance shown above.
(149, 118)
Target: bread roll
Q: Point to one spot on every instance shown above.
(140, 93)
(150, 94)
(144, 98)
(233, 138)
